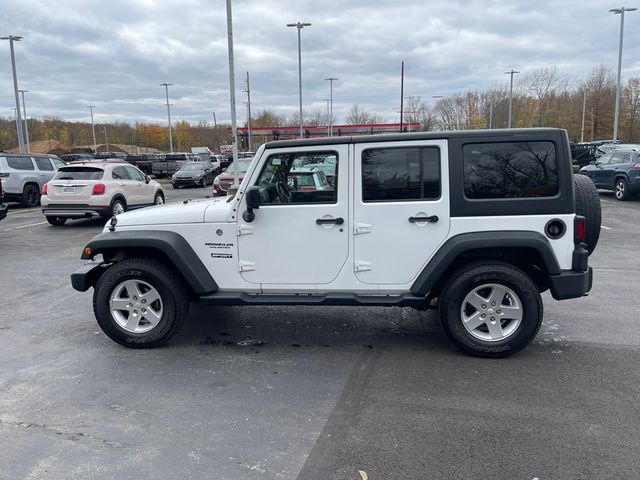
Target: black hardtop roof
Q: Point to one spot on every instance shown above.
(399, 137)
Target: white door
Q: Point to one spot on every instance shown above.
(401, 208)
(142, 191)
(299, 236)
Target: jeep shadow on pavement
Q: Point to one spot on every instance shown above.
(482, 222)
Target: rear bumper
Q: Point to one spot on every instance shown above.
(571, 284)
(76, 211)
(87, 275)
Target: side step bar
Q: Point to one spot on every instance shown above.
(340, 299)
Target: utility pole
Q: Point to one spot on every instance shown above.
(106, 141)
(328, 101)
(232, 95)
(166, 89)
(215, 130)
(299, 26)
(619, 11)
(26, 127)
(15, 116)
(14, 38)
(490, 115)
(510, 72)
(584, 108)
(331, 80)
(248, 92)
(93, 129)
(401, 93)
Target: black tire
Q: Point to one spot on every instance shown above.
(473, 276)
(155, 199)
(57, 221)
(175, 301)
(30, 195)
(622, 192)
(175, 186)
(203, 182)
(114, 204)
(588, 206)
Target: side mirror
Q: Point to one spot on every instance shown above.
(224, 169)
(253, 202)
(592, 162)
(147, 179)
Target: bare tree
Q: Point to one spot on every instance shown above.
(543, 84)
(359, 116)
(601, 91)
(631, 102)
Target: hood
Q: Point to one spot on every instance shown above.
(191, 212)
(194, 173)
(229, 175)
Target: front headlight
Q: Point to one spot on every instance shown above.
(216, 181)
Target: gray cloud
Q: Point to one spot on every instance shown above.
(115, 54)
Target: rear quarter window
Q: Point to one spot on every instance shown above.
(510, 170)
(79, 173)
(20, 163)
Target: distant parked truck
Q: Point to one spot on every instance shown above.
(172, 162)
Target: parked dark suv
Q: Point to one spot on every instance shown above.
(618, 171)
(143, 161)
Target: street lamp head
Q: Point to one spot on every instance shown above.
(15, 38)
(618, 11)
(298, 25)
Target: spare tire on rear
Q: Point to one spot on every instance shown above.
(588, 206)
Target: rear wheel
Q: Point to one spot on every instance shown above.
(118, 206)
(138, 304)
(30, 195)
(490, 310)
(622, 190)
(57, 221)
(159, 199)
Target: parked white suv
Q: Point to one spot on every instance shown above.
(85, 190)
(25, 174)
(481, 221)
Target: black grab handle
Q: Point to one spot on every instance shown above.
(325, 221)
(431, 219)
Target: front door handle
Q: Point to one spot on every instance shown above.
(326, 221)
(431, 219)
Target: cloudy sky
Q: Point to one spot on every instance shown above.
(115, 53)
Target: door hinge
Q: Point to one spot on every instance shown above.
(362, 266)
(247, 266)
(360, 228)
(245, 230)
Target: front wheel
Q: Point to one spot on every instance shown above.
(622, 189)
(490, 310)
(56, 221)
(138, 303)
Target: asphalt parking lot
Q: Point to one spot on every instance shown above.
(312, 393)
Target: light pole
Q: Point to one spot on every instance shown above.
(248, 92)
(510, 72)
(299, 26)
(14, 116)
(331, 80)
(14, 38)
(584, 111)
(619, 11)
(93, 129)
(166, 89)
(232, 98)
(26, 127)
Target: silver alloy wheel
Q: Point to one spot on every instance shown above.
(117, 208)
(620, 189)
(136, 306)
(491, 312)
(159, 199)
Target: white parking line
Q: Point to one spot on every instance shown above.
(24, 212)
(30, 225)
(606, 228)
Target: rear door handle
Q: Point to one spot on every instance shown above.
(326, 221)
(431, 219)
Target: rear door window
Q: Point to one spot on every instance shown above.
(20, 163)
(43, 164)
(120, 173)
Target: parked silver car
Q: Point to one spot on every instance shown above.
(23, 176)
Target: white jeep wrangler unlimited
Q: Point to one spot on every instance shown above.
(480, 221)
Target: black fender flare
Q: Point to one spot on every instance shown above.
(455, 246)
(171, 244)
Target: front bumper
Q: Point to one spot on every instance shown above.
(87, 275)
(186, 181)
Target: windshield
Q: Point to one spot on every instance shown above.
(191, 167)
(243, 166)
(79, 173)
